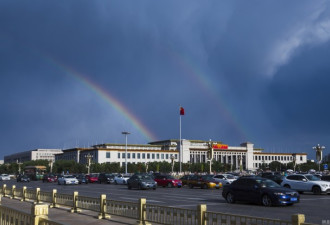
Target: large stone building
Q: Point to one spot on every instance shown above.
(193, 151)
(47, 154)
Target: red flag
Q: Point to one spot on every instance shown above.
(181, 111)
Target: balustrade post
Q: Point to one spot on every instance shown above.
(38, 211)
(54, 193)
(75, 203)
(23, 194)
(13, 189)
(201, 210)
(297, 219)
(142, 212)
(103, 208)
(37, 200)
(4, 187)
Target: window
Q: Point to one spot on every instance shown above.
(157, 156)
(166, 156)
(118, 155)
(123, 155)
(153, 155)
(162, 156)
(128, 155)
(148, 156)
(176, 156)
(133, 155)
(107, 155)
(143, 155)
(301, 158)
(138, 155)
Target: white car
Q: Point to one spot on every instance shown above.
(67, 179)
(121, 179)
(224, 178)
(4, 177)
(306, 182)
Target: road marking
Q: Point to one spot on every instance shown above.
(197, 199)
(194, 205)
(312, 199)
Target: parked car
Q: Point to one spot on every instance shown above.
(81, 179)
(185, 179)
(325, 178)
(224, 178)
(141, 181)
(92, 178)
(49, 178)
(67, 179)
(121, 179)
(203, 181)
(4, 177)
(259, 190)
(274, 176)
(306, 182)
(167, 181)
(106, 178)
(23, 178)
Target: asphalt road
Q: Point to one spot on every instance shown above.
(315, 207)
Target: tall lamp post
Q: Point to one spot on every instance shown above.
(88, 157)
(19, 166)
(294, 158)
(172, 159)
(125, 133)
(319, 150)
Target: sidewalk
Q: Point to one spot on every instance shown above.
(62, 215)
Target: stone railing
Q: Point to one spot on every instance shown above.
(141, 211)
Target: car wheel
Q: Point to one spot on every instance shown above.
(316, 190)
(191, 186)
(170, 185)
(286, 186)
(154, 188)
(230, 198)
(266, 200)
(139, 187)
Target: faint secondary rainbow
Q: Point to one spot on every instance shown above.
(207, 86)
(107, 97)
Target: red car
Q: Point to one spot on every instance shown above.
(49, 178)
(92, 178)
(168, 181)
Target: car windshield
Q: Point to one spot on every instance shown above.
(312, 177)
(229, 176)
(169, 177)
(268, 184)
(145, 177)
(207, 177)
(70, 176)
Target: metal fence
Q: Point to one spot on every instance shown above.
(143, 212)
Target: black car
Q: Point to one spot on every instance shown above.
(106, 178)
(141, 181)
(259, 190)
(81, 179)
(23, 178)
(274, 176)
(325, 177)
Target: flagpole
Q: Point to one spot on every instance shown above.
(180, 153)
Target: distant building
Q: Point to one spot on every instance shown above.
(1, 162)
(193, 151)
(46, 154)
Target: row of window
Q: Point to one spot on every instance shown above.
(276, 158)
(143, 155)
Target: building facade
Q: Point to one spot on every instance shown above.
(193, 151)
(36, 154)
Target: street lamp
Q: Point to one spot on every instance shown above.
(88, 157)
(125, 133)
(319, 150)
(19, 166)
(294, 157)
(172, 159)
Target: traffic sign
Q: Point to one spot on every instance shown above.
(325, 166)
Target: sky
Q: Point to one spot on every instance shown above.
(79, 73)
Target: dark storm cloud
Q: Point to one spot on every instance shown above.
(259, 58)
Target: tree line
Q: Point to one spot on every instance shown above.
(64, 166)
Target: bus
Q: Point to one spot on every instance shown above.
(35, 172)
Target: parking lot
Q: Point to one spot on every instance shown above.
(315, 207)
